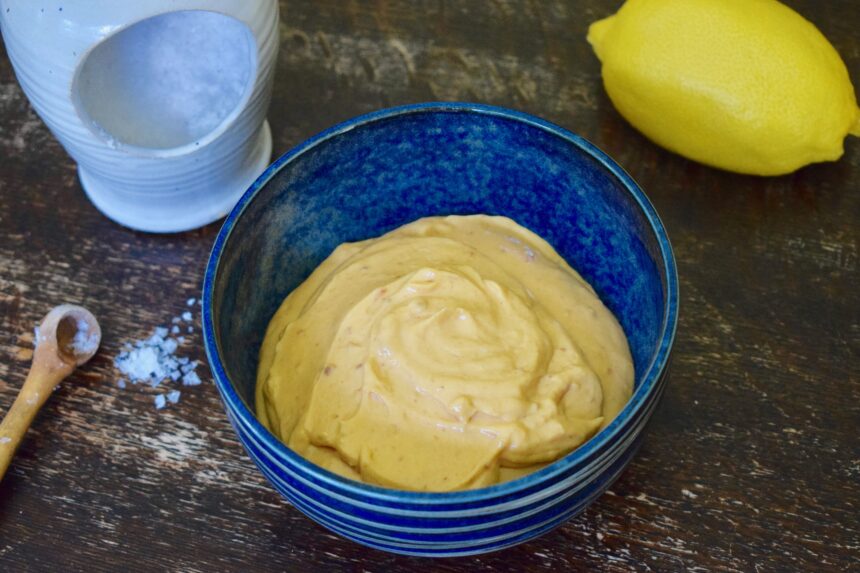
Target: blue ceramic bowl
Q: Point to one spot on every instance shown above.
(376, 172)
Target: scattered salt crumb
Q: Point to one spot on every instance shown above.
(173, 396)
(180, 339)
(176, 320)
(174, 330)
(159, 402)
(191, 379)
(191, 301)
(120, 383)
(186, 316)
(38, 338)
(599, 536)
(5, 440)
(190, 329)
(689, 494)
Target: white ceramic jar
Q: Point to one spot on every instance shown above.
(162, 103)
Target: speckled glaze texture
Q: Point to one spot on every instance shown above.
(165, 190)
(379, 171)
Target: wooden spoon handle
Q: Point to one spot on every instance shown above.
(40, 382)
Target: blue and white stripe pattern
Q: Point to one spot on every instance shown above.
(253, 262)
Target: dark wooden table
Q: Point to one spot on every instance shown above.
(751, 463)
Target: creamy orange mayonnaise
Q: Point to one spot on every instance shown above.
(450, 353)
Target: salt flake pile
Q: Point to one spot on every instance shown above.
(154, 361)
(82, 343)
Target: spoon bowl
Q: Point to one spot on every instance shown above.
(71, 332)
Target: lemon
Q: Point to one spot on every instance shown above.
(743, 85)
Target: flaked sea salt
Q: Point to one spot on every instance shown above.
(191, 301)
(38, 337)
(153, 361)
(191, 379)
(84, 343)
(170, 345)
(145, 363)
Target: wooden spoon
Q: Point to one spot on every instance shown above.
(68, 337)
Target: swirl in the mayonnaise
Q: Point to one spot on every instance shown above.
(450, 353)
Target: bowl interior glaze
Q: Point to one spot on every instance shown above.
(374, 174)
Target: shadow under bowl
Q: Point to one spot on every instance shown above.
(377, 172)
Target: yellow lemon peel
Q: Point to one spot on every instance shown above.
(743, 85)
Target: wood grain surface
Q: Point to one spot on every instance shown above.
(751, 463)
